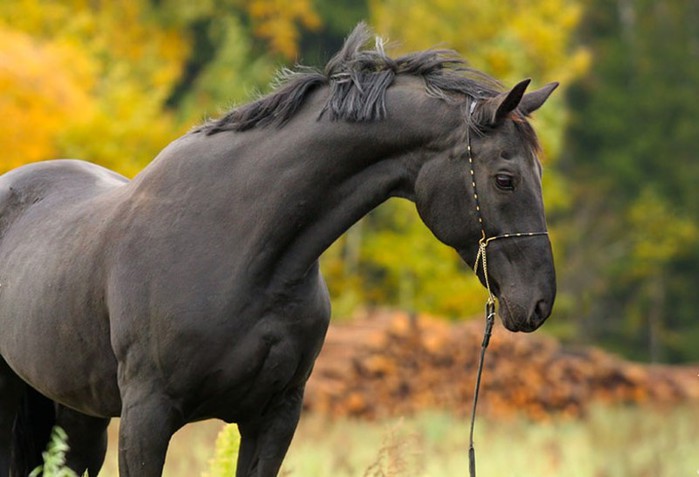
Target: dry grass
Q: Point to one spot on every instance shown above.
(188, 455)
(610, 442)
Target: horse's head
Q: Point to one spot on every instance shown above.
(495, 189)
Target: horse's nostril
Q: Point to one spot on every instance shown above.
(542, 310)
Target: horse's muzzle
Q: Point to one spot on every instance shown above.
(516, 317)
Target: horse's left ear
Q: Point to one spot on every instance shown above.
(532, 101)
(495, 110)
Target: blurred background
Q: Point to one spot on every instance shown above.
(114, 81)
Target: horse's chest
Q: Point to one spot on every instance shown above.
(274, 356)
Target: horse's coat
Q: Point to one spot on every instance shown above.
(193, 291)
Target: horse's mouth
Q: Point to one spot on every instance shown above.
(514, 316)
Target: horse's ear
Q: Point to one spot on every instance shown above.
(533, 101)
(498, 108)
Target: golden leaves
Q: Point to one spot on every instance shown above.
(276, 21)
(86, 81)
(44, 86)
(510, 40)
(507, 38)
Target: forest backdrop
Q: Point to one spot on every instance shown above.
(114, 81)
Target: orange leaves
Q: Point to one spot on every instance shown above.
(94, 80)
(44, 86)
(86, 81)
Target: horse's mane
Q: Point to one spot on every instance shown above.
(358, 79)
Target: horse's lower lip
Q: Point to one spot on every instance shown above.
(525, 326)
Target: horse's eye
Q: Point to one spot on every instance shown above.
(504, 182)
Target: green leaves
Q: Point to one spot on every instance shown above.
(630, 149)
(55, 457)
(225, 459)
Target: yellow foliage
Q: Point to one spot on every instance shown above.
(43, 87)
(509, 39)
(86, 81)
(502, 38)
(276, 21)
(224, 461)
(112, 32)
(657, 234)
(416, 271)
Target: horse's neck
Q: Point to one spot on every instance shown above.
(324, 188)
(331, 210)
(293, 191)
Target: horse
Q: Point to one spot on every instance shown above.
(193, 291)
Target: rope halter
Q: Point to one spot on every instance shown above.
(481, 255)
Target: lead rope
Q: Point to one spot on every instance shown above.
(481, 259)
(489, 320)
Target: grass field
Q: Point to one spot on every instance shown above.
(610, 442)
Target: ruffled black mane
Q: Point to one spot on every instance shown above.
(358, 79)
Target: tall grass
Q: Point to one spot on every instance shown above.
(610, 442)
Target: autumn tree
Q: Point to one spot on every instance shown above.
(42, 86)
(119, 64)
(114, 82)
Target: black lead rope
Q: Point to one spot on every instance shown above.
(489, 320)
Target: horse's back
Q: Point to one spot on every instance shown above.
(35, 182)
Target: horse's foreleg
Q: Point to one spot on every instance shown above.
(11, 389)
(87, 439)
(148, 420)
(264, 441)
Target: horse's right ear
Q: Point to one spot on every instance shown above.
(496, 109)
(534, 100)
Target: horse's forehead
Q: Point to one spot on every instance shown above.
(508, 137)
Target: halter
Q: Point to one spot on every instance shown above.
(481, 259)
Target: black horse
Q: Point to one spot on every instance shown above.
(193, 291)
